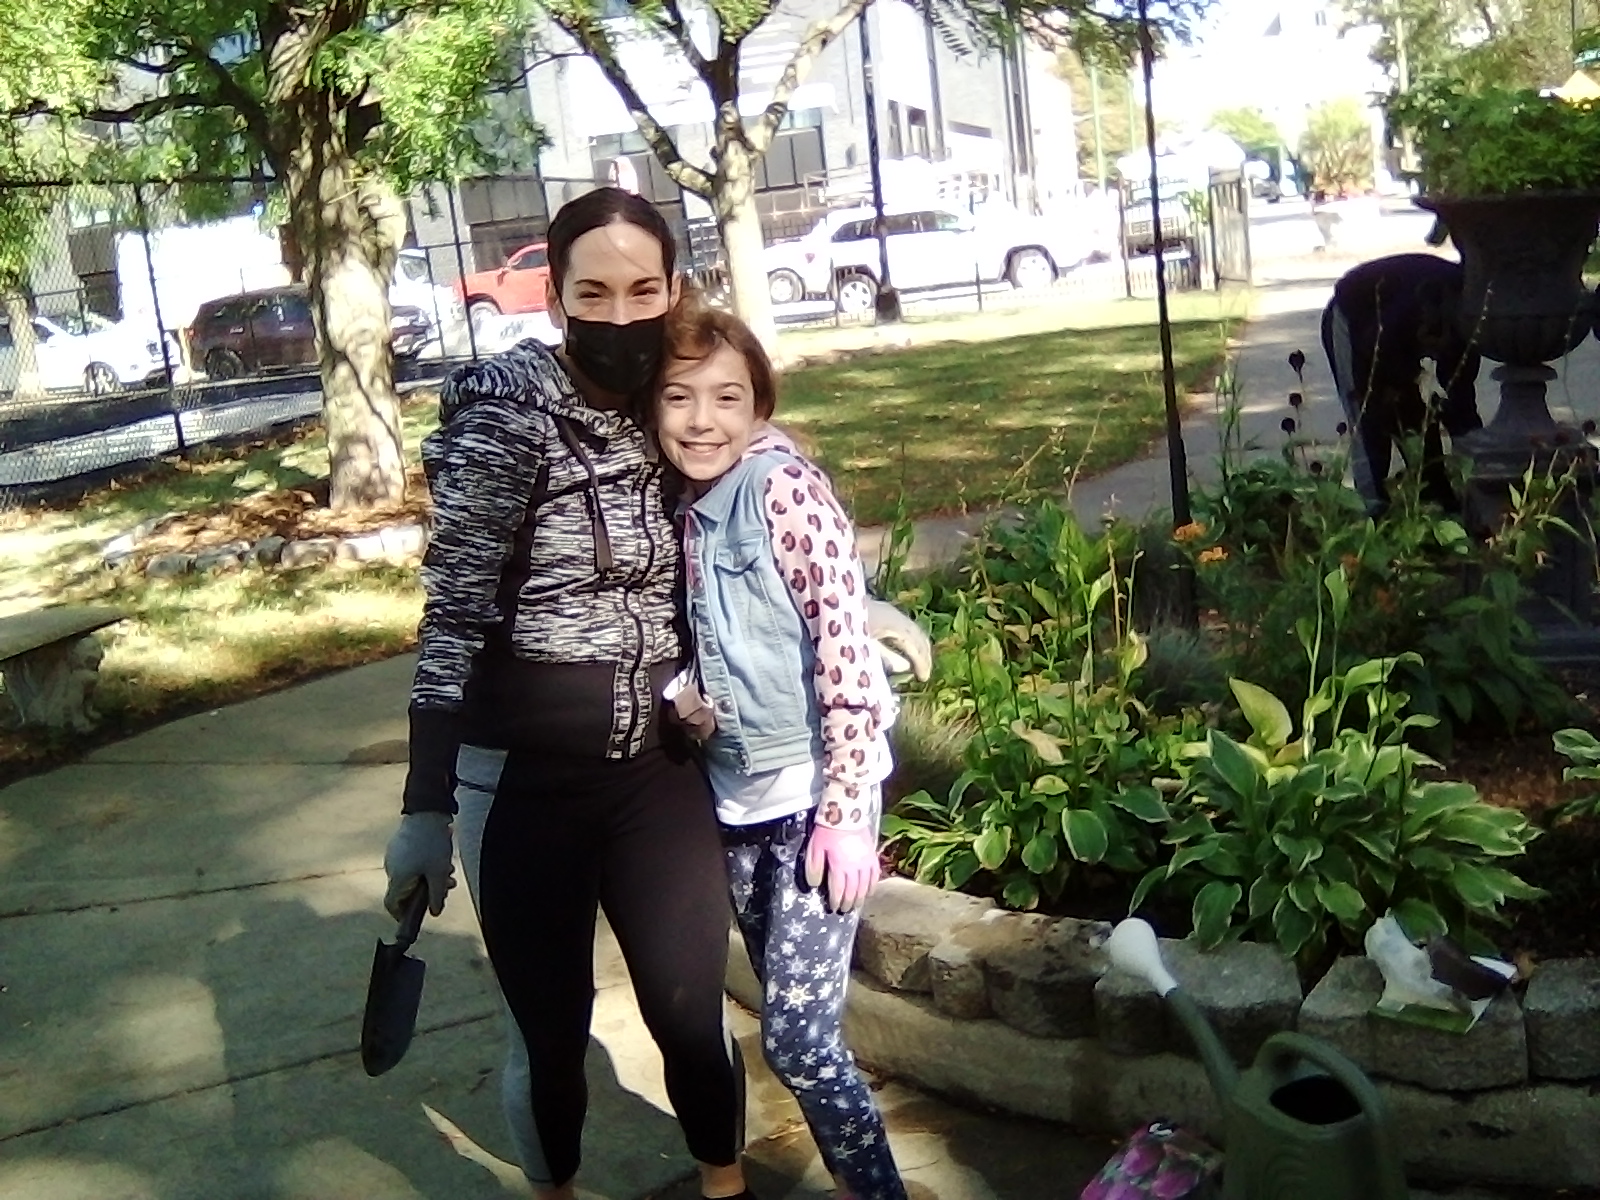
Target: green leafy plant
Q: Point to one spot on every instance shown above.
(1580, 746)
(1499, 141)
(1298, 836)
(1063, 762)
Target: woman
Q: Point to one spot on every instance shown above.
(550, 630)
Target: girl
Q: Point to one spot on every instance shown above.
(794, 714)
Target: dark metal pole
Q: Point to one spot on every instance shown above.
(888, 302)
(1177, 459)
(155, 306)
(461, 272)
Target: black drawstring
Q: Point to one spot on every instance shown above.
(603, 559)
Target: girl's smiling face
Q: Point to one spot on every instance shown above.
(706, 413)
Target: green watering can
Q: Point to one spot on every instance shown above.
(1303, 1123)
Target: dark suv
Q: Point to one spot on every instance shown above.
(238, 335)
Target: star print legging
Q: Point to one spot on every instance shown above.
(801, 953)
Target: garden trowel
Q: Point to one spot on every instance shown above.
(394, 992)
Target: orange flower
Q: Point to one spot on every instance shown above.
(1189, 532)
(1213, 554)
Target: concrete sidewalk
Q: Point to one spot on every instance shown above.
(186, 923)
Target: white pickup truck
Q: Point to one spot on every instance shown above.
(928, 248)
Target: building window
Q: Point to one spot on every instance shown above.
(917, 133)
(801, 118)
(897, 147)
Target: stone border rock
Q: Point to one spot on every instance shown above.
(394, 543)
(1023, 1013)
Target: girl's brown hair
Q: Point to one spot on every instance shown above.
(695, 331)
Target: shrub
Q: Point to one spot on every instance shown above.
(1299, 837)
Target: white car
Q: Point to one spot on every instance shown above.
(89, 354)
(413, 286)
(928, 248)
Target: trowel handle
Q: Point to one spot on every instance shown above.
(1133, 948)
(411, 916)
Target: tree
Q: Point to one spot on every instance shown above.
(727, 181)
(337, 103)
(1116, 128)
(1516, 43)
(1337, 146)
(38, 58)
(1251, 128)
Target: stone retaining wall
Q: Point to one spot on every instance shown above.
(1023, 1013)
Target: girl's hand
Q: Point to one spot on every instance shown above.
(848, 859)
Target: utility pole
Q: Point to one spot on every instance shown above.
(888, 301)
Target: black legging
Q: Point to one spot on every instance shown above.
(638, 839)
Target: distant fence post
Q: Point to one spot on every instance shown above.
(161, 326)
(461, 270)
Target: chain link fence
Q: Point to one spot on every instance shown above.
(138, 333)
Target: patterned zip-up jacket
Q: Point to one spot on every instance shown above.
(551, 544)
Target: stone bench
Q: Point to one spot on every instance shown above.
(49, 663)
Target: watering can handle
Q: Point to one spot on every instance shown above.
(1281, 1049)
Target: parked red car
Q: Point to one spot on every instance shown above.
(240, 335)
(517, 287)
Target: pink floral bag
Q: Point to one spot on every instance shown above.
(1158, 1162)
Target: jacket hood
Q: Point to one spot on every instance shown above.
(528, 375)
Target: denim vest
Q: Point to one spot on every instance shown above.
(757, 664)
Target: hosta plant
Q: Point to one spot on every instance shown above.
(1299, 836)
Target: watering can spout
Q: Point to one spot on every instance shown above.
(1133, 948)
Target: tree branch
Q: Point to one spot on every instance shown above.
(544, 60)
(149, 68)
(818, 38)
(143, 110)
(231, 91)
(593, 39)
(674, 24)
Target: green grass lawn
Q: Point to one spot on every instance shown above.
(963, 425)
(955, 416)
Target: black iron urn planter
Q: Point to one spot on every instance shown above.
(1524, 304)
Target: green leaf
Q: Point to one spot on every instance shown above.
(1368, 674)
(1301, 852)
(1419, 919)
(1475, 886)
(1213, 911)
(1339, 589)
(1041, 852)
(1045, 599)
(1232, 764)
(1343, 901)
(1050, 785)
(1265, 893)
(1193, 854)
(963, 866)
(1021, 893)
(1292, 927)
(1449, 533)
(1265, 712)
(1146, 885)
(958, 789)
(1087, 836)
(1143, 801)
(993, 847)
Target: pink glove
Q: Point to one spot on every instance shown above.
(849, 859)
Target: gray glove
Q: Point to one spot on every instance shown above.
(420, 850)
(902, 643)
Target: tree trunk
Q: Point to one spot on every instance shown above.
(739, 223)
(30, 385)
(345, 228)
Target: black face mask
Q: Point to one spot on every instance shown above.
(619, 358)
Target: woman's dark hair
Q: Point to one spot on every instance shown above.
(597, 209)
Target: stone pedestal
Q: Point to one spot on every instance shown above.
(49, 663)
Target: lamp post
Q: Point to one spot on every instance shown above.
(887, 304)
